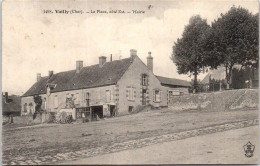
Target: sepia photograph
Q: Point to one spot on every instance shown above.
(130, 82)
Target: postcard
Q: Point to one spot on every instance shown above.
(130, 82)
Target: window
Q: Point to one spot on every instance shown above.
(108, 95)
(176, 93)
(31, 111)
(144, 79)
(170, 93)
(157, 94)
(25, 107)
(130, 109)
(77, 98)
(130, 93)
(87, 98)
(56, 102)
(68, 95)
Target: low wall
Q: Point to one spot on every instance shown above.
(27, 119)
(190, 101)
(217, 101)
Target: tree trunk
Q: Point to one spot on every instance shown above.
(195, 90)
(229, 75)
(251, 73)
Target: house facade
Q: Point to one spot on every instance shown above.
(107, 89)
(242, 77)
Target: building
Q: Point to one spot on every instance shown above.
(242, 77)
(11, 105)
(107, 89)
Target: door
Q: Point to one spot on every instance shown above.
(144, 96)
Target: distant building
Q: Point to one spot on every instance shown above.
(11, 105)
(242, 77)
(108, 88)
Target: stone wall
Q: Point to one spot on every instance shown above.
(217, 101)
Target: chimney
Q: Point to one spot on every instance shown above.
(39, 76)
(133, 53)
(79, 66)
(111, 58)
(50, 73)
(150, 61)
(6, 97)
(102, 60)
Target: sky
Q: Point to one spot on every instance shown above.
(35, 42)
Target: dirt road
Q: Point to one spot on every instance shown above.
(218, 148)
(39, 144)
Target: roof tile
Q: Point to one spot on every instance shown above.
(173, 81)
(90, 76)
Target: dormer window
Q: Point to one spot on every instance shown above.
(144, 80)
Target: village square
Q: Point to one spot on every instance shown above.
(198, 103)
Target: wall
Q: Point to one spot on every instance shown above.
(27, 100)
(166, 90)
(132, 78)
(97, 97)
(217, 101)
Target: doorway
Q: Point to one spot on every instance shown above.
(97, 112)
(112, 110)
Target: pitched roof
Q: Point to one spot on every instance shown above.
(88, 77)
(173, 81)
(217, 74)
(206, 79)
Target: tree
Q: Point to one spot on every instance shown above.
(234, 37)
(189, 53)
(38, 103)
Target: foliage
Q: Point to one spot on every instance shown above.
(63, 117)
(13, 107)
(188, 52)
(234, 39)
(38, 104)
(50, 117)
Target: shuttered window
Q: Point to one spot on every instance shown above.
(87, 98)
(144, 80)
(130, 93)
(157, 96)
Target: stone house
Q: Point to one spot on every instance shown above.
(106, 89)
(242, 77)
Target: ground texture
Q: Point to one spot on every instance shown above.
(217, 148)
(48, 144)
